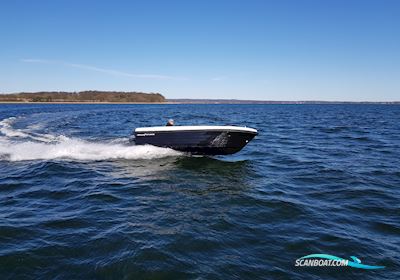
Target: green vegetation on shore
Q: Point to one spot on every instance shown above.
(83, 96)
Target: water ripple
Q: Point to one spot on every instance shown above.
(76, 199)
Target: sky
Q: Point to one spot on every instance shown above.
(331, 50)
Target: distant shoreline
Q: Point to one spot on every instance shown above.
(211, 102)
(136, 97)
(88, 96)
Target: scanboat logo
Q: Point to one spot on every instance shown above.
(330, 260)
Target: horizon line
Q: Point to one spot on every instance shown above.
(215, 100)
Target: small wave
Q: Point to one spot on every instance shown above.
(7, 130)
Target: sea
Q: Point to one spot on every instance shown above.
(78, 200)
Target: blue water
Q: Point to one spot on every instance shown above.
(77, 201)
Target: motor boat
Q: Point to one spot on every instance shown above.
(198, 140)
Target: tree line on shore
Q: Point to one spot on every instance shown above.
(82, 96)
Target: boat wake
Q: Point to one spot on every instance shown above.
(24, 144)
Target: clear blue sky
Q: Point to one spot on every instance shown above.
(266, 50)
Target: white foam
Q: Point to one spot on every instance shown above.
(7, 130)
(76, 149)
(48, 147)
